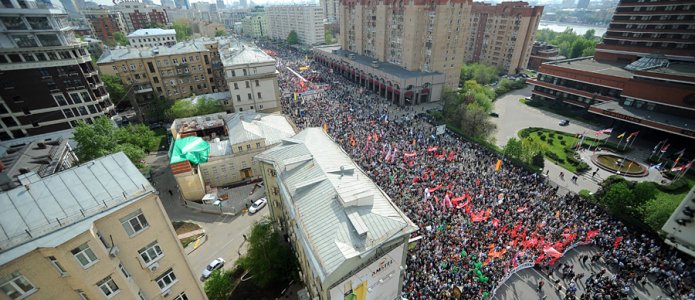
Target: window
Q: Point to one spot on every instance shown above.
(18, 287)
(84, 255)
(134, 222)
(181, 296)
(238, 98)
(233, 73)
(82, 294)
(150, 253)
(248, 85)
(259, 95)
(258, 145)
(57, 265)
(236, 86)
(108, 287)
(257, 83)
(124, 271)
(250, 97)
(166, 280)
(240, 148)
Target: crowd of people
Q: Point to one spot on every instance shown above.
(478, 219)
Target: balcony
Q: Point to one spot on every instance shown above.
(141, 89)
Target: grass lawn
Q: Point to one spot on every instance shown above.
(675, 197)
(555, 149)
(185, 242)
(183, 227)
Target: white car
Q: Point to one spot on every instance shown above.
(260, 203)
(214, 265)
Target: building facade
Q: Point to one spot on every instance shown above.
(255, 25)
(306, 20)
(140, 15)
(642, 74)
(234, 140)
(331, 10)
(39, 156)
(541, 53)
(502, 35)
(49, 81)
(105, 23)
(102, 234)
(171, 73)
(152, 37)
(349, 237)
(252, 78)
(416, 36)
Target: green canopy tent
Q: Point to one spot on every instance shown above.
(192, 148)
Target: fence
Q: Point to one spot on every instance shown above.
(213, 209)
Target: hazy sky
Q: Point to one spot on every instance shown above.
(262, 2)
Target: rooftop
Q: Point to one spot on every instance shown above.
(677, 68)
(588, 64)
(151, 32)
(46, 212)
(41, 157)
(667, 119)
(123, 53)
(247, 126)
(341, 212)
(389, 68)
(239, 54)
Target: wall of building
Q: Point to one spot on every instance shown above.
(152, 40)
(255, 25)
(305, 20)
(245, 89)
(105, 24)
(190, 185)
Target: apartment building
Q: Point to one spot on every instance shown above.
(233, 140)
(175, 72)
(104, 23)
(97, 231)
(48, 79)
(251, 78)
(502, 35)
(349, 237)
(306, 20)
(255, 25)
(542, 53)
(43, 157)
(140, 15)
(642, 74)
(152, 37)
(331, 10)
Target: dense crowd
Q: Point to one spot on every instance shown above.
(478, 221)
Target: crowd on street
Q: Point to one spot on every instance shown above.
(480, 216)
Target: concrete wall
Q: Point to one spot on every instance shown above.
(191, 185)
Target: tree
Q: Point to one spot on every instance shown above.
(643, 192)
(115, 87)
(292, 38)
(219, 284)
(183, 30)
(476, 122)
(513, 148)
(206, 106)
(538, 160)
(120, 39)
(181, 109)
(269, 259)
(590, 34)
(569, 43)
(138, 135)
(220, 32)
(616, 196)
(656, 212)
(103, 138)
(481, 73)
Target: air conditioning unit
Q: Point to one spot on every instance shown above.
(113, 251)
(166, 292)
(153, 267)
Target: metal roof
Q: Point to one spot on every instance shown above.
(340, 211)
(46, 212)
(240, 54)
(247, 126)
(151, 32)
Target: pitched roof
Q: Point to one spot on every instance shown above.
(340, 211)
(151, 32)
(247, 126)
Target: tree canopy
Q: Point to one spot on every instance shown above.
(219, 284)
(115, 87)
(570, 44)
(183, 30)
(186, 108)
(469, 109)
(220, 32)
(120, 39)
(292, 38)
(268, 258)
(103, 138)
(481, 73)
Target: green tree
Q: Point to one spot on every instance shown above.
(206, 106)
(569, 43)
(656, 212)
(140, 136)
(513, 148)
(115, 87)
(183, 30)
(220, 32)
(181, 109)
(616, 196)
(103, 138)
(292, 38)
(643, 192)
(219, 284)
(590, 34)
(476, 122)
(481, 73)
(268, 258)
(120, 39)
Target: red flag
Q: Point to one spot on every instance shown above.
(521, 209)
(432, 149)
(435, 188)
(495, 223)
(539, 259)
(451, 155)
(590, 235)
(550, 251)
(477, 181)
(617, 242)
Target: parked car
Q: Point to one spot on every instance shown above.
(260, 203)
(494, 114)
(218, 263)
(528, 98)
(564, 122)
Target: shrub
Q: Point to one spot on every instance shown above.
(564, 143)
(542, 137)
(538, 160)
(560, 137)
(680, 184)
(552, 156)
(552, 134)
(582, 167)
(585, 194)
(550, 141)
(524, 133)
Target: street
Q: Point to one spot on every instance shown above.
(225, 232)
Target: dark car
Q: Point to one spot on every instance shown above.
(494, 114)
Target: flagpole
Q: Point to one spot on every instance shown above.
(633, 140)
(619, 142)
(656, 148)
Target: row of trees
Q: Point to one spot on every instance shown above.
(103, 138)
(527, 150)
(481, 73)
(469, 109)
(570, 44)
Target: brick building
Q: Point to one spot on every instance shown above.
(139, 15)
(541, 53)
(104, 23)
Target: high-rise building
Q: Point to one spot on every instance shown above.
(48, 79)
(306, 20)
(349, 237)
(220, 4)
(642, 74)
(502, 35)
(331, 10)
(105, 23)
(583, 4)
(183, 4)
(97, 231)
(242, 3)
(72, 8)
(255, 24)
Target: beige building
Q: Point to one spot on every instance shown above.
(180, 71)
(152, 37)
(502, 34)
(331, 10)
(97, 231)
(234, 140)
(255, 25)
(415, 35)
(251, 78)
(306, 20)
(349, 237)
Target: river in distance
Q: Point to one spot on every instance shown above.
(578, 29)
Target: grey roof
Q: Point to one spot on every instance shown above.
(654, 116)
(247, 126)
(57, 208)
(341, 213)
(588, 64)
(389, 68)
(124, 53)
(41, 157)
(151, 32)
(239, 54)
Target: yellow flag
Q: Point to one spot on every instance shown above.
(499, 165)
(325, 127)
(621, 135)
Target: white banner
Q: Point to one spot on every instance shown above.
(441, 129)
